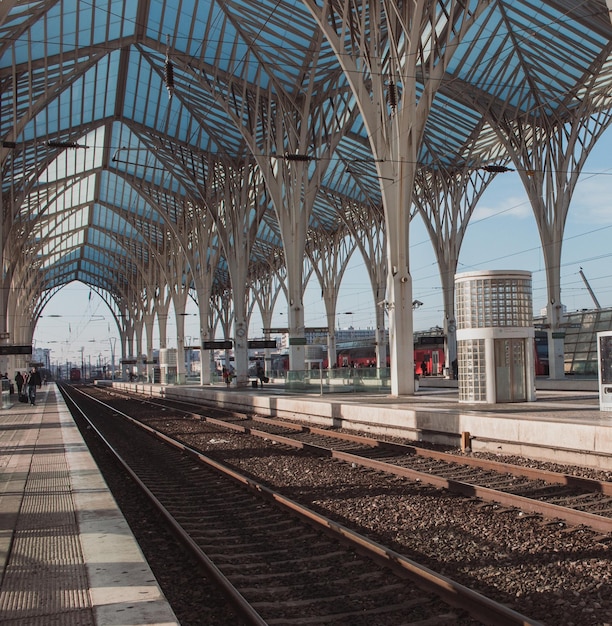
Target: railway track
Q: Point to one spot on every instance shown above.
(280, 562)
(573, 500)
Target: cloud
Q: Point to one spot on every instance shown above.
(591, 201)
(510, 206)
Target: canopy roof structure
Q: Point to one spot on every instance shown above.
(121, 123)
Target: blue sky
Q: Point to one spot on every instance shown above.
(502, 235)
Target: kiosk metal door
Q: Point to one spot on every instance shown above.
(435, 363)
(510, 370)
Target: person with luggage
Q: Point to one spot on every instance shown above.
(261, 374)
(34, 381)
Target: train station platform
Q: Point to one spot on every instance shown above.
(564, 425)
(67, 555)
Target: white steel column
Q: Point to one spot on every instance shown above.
(383, 54)
(397, 197)
(205, 332)
(179, 313)
(237, 211)
(329, 254)
(4, 285)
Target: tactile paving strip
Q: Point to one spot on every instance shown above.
(45, 581)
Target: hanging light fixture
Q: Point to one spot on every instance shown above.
(392, 95)
(495, 169)
(290, 156)
(64, 144)
(168, 70)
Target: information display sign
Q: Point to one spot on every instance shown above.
(297, 341)
(261, 344)
(217, 345)
(5, 350)
(604, 360)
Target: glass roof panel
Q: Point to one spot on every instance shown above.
(284, 34)
(98, 267)
(14, 21)
(103, 250)
(111, 221)
(64, 25)
(61, 249)
(116, 192)
(527, 45)
(66, 268)
(237, 65)
(68, 110)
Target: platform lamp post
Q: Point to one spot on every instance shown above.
(112, 341)
(350, 328)
(188, 353)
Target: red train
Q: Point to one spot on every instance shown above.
(75, 374)
(541, 353)
(428, 355)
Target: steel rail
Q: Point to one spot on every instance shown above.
(570, 516)
(237, 600)
(452, 592)
(499, 466)
(552, 511)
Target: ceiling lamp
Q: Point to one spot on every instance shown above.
(496, 169)
(169, 71)
(289, 156)
(64, 144)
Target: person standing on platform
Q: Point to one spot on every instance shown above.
(34, 380)
(19, 382)
(455, 368)
(227, 376)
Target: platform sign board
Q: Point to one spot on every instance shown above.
(5, 350)
(297, 341)
(217, 345)
(261, 344)
(604, 360)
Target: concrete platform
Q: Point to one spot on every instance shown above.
(564, 424)
(67, 555)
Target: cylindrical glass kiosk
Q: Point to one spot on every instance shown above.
(495, 336)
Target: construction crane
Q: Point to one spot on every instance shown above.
(586, 282)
